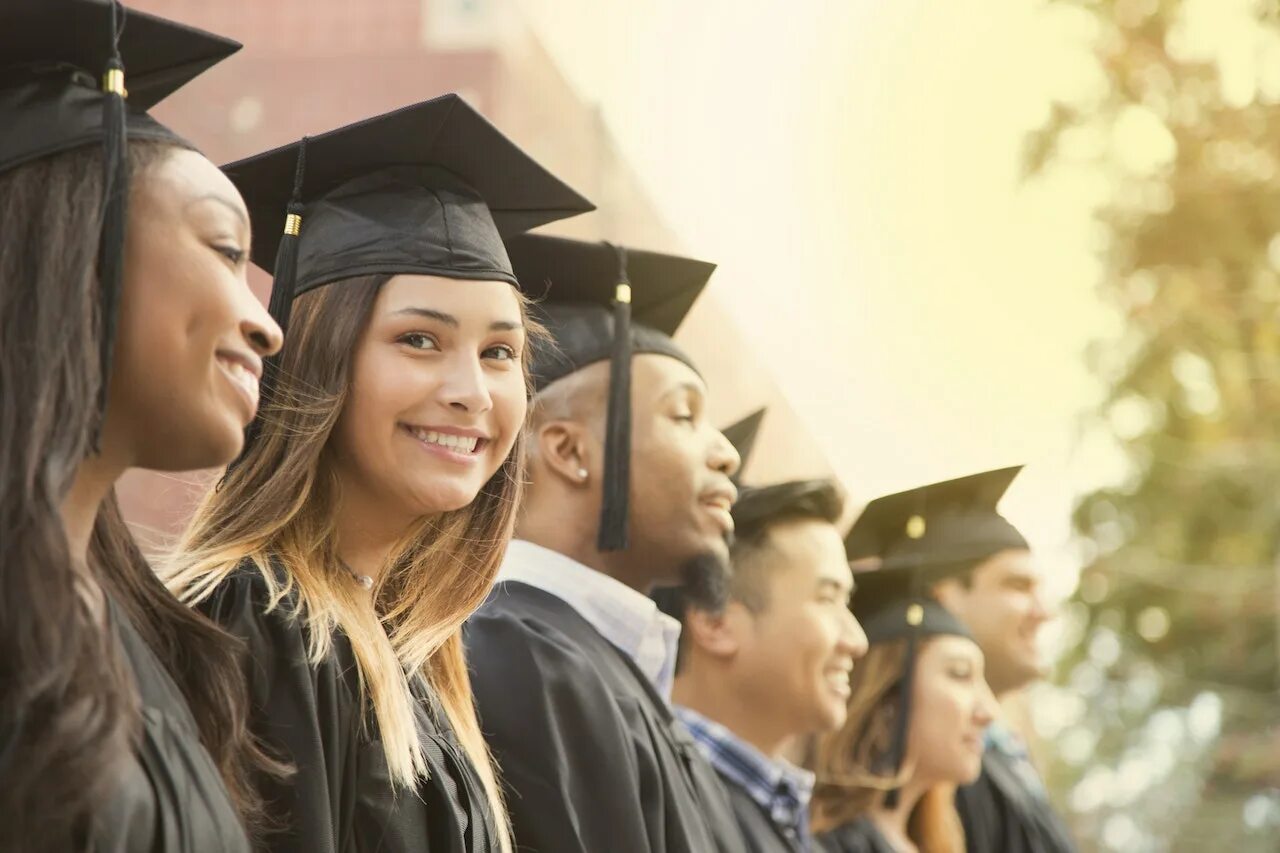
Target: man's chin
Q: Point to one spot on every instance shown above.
(705, 579)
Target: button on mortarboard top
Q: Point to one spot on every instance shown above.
(581, 289)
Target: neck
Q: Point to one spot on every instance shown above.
(577, 541)
(893, 822)
(367, 536)
(713, 697)
(93, 481)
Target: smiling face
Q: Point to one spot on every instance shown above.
(681, 493)
(191, 335)
(795, 650)
(437, 396)
(952, 707)
(1001, 604)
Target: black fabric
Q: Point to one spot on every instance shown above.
(341, 799)
(742, 435)
(171, 797)
(591, 755)
(937, 529)
(53, 54)
(888, 621)
(427, 188)
(1000, 813)
(858, 836)
(759, 833)
(575, 282)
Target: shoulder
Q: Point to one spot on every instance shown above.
(856, 836)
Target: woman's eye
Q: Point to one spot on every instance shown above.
(501, 352)
(684, 418)
(418, 340)
(231, 253)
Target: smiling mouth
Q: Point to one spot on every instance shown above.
(466, 445)
(838, 681)
(244, 379)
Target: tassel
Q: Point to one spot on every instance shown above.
(898, 746)
(115, 199)
(284, 274)
(615, 507)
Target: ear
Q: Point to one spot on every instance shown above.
(567, 449)
(718, 635)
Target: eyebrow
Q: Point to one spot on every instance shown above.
(225, 202)
(688, 387)
(452, 321)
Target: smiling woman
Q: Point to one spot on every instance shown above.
(368, 516)
(123, 306)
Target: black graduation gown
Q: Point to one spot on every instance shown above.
(1000, 813)
(857, 836)
(591, 754)
(759, 833)
(341, 799)
(170, 798)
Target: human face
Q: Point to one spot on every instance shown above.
(681, 493)
(795, 655)
(1002, 606)
(191, 335)
(951, 707)
(437, 395)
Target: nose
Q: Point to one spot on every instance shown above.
(1039, 609)
(723, 456)
(464, 388)
(258, 327)
(986, 707)
(854, 639)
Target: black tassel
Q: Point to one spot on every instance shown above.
(901, 724)
(615, 507)
(281, 302)
(115, 201)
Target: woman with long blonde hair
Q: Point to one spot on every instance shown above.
(918, 708)
(369, 515)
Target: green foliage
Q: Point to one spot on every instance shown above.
(1180, 601)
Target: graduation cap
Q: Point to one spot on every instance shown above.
(428, 189)
(63, 86)
(921, 536)
(939, 529)
(591, 291)
(742, 435)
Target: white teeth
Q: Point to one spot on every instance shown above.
(465, 444)
(243, 377)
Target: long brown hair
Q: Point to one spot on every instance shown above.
(850, 763)
(278, 504)
(69, 708)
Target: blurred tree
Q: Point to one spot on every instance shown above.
(1177, 744)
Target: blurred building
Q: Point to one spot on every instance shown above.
(310, 65)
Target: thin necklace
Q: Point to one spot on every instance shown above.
(364, 580)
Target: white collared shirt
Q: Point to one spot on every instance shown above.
(624, 617)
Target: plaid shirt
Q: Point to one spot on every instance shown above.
(1009, 743)
(778, 786)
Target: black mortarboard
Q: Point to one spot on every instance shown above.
(920, 536)
(742, 435)
(590, 290)
(63, 86)
(429, 189)
(937, 529)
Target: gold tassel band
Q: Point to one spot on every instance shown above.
(113, 81)
(293, 224)
(623, 293)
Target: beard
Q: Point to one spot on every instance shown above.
(704, 582)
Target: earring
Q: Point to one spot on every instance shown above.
(582, 473)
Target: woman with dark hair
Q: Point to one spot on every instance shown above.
(125, 341)
(368, 516)
(917, 712)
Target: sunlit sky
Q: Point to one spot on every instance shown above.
(853, 167)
